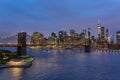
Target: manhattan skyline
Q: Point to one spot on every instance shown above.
(51, 16)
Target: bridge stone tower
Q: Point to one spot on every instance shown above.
(87, 47)
(21, 50)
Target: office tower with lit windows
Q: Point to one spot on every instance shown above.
(107, 37)
(72, 32)
(89, 33)
(102, 35)
(99, 30)
(62, 36)
(37, 38)
(106, 34)
(118, 37)
(53, 39)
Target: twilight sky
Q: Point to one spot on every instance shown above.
(46, 16)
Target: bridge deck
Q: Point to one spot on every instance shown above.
(15, 45)
(10, 45)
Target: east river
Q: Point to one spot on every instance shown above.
(67, 65)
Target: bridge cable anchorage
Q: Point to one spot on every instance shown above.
(7, 37)
(5, 40)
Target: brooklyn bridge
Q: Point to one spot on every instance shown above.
(22, 43)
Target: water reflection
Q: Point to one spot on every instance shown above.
(67, 65)
(16, 73)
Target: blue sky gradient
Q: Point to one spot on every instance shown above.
(46, 16)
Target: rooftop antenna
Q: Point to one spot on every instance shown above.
(98, 20)
(22, 30)
(62, 29)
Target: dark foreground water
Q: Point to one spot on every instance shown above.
(67, 65)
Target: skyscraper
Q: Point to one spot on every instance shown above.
(102, 35)
(107, 36)
(72, 32)
(101, 31)
(112, 41)
(53, 38)
(118, 37)
(89, 33)
(62, 36)
(98, 29)
(37, 38)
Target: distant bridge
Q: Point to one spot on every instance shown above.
(28, 44)
(21, 43)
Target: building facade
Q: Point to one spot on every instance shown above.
(118, 37)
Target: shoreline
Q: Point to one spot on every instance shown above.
(24, 65)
